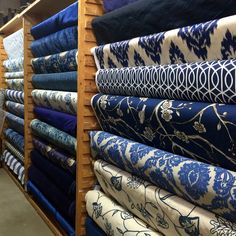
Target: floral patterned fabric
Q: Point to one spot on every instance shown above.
(15, 108)
(208, 186)
(15, 84)
(13, 75)
(114, 219)
(14, 65)
(161, 210)
(56, 63)
(56, 100)
(202, 81)
(15, 139)
(192, 129)
(16, 123)
(14, 96)
(14, 151)
(54, 136)
(212, 40)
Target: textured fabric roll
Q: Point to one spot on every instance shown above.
(60, 120)
(161, 210)
(114, 219)
(14, 65)
(63, 19)
(15, 96)
(92, 228)
(14, 75)
(61, 41)
(50, 208)
(111, 5)
(13, 44)
(56, 100)
(192, 129)
(203, 42)
(15, 108)
(14, 151)
(202, 81)
(16, 123)
(54, 136)
(15, 139)
(64, 181)
(15, 84)
(56, 63)
(66, 81)
(208, 186)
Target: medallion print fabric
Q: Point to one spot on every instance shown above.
(54, 136)
(213, 40)
(191, 129)
(15, 108)
(14, 151)
(114, 219)
(56, 100)
(16, 123)
(14, 65)
(13, 75)
(56, 63)
(14, 96)
(15, 84)
(15, 139)
(207, 186)
(202, 81)
(161, 210)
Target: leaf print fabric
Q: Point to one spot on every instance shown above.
(14, 151)
(15, 139)
(15, 108)
(14, 96)
(14, 65)
(15, 84)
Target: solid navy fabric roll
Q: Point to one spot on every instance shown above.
(59, 120)
(92, 229)
(111, 5)
(63, 19)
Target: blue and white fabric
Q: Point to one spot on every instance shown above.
(15, 84)
(16, 123)
(14, 151)
(15, 108)
(14, 96)
(14, 65)
(14, 75)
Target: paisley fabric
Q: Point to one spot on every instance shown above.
(15, 108)
(14, 65)
(63, 19)
(92, 228)
(191, 129)
(56, 100)
(61, 62)
(202, 81)
(207, 186)
(14, 151)
(54, 136)
(55, 155)
(113, 219)
(16, 123)
(14, 96)
(161, 210)
(66, 81)
(13, 75)
(212, 40)
(15, 84)
(15, 139)
(111, 5)
(61, 41)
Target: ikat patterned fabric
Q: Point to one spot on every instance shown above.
(14, 65)
(15, 108)
(113, 219)
(16, 123)
(208, 41)
(14, 96)
(14, 151)
(15, 84)
(14, 75)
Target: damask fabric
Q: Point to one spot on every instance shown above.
(63, 19)
(13, 44)
(66, 81)
(56, 100)
(60, 120)
(56, 63)
(14, 96)
(64, 181)
(14, 75)
(111, 5)
(15, 139)
(61, 41)
(14, 65)
(207, 186)
(113, 219)
(192, 129)
(15, 84)
(161, 210)
(42, 200)
(15, 108)
(16, 123)
(92, 228)
(202, 81)
(208, 41)
(54, 136)
(14, 151)
(55, 155)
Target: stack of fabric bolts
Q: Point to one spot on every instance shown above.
(166, 157)
(52, 173)
(13, 154)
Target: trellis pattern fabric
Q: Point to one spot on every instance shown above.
(14, 151)
(14, 65)
(54, 136)
(56, 100)
(192, 129)
(15, 108)
(14, 96)
(56, 63)
(113, 219)
(16, 123)
(15, 139)
(202, 81)
(15, 84)
(212, 40)
(13, 75)
(161, 210)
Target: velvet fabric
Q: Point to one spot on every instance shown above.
(111, 5)
(14, 96)
(15, 84)
(14, 151)
(92, 228)
(15, 139)
(15, 108)
(16, 123)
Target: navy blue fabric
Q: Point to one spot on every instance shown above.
(16, 123)
(59, 120)
(92, 229)
(111, 5)
(63, 19)
(40, 198)
(15, 139)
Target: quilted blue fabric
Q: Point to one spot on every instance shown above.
(92, 228)
(16, 123)
(63, 19)
(15, 139)
(14, 96)
(15, 108)
(111, 5)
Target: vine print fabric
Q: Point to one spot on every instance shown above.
(114, 219)
(207, 186)
(208, 41)
(56, 100)
(14, 96)
(16, 123)
(14, 65)
(14, 75)
(15, 84)
(201, 81)
(161, 210)
(14, 151)
(15, 139)
(191, 129)
(15, 108)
